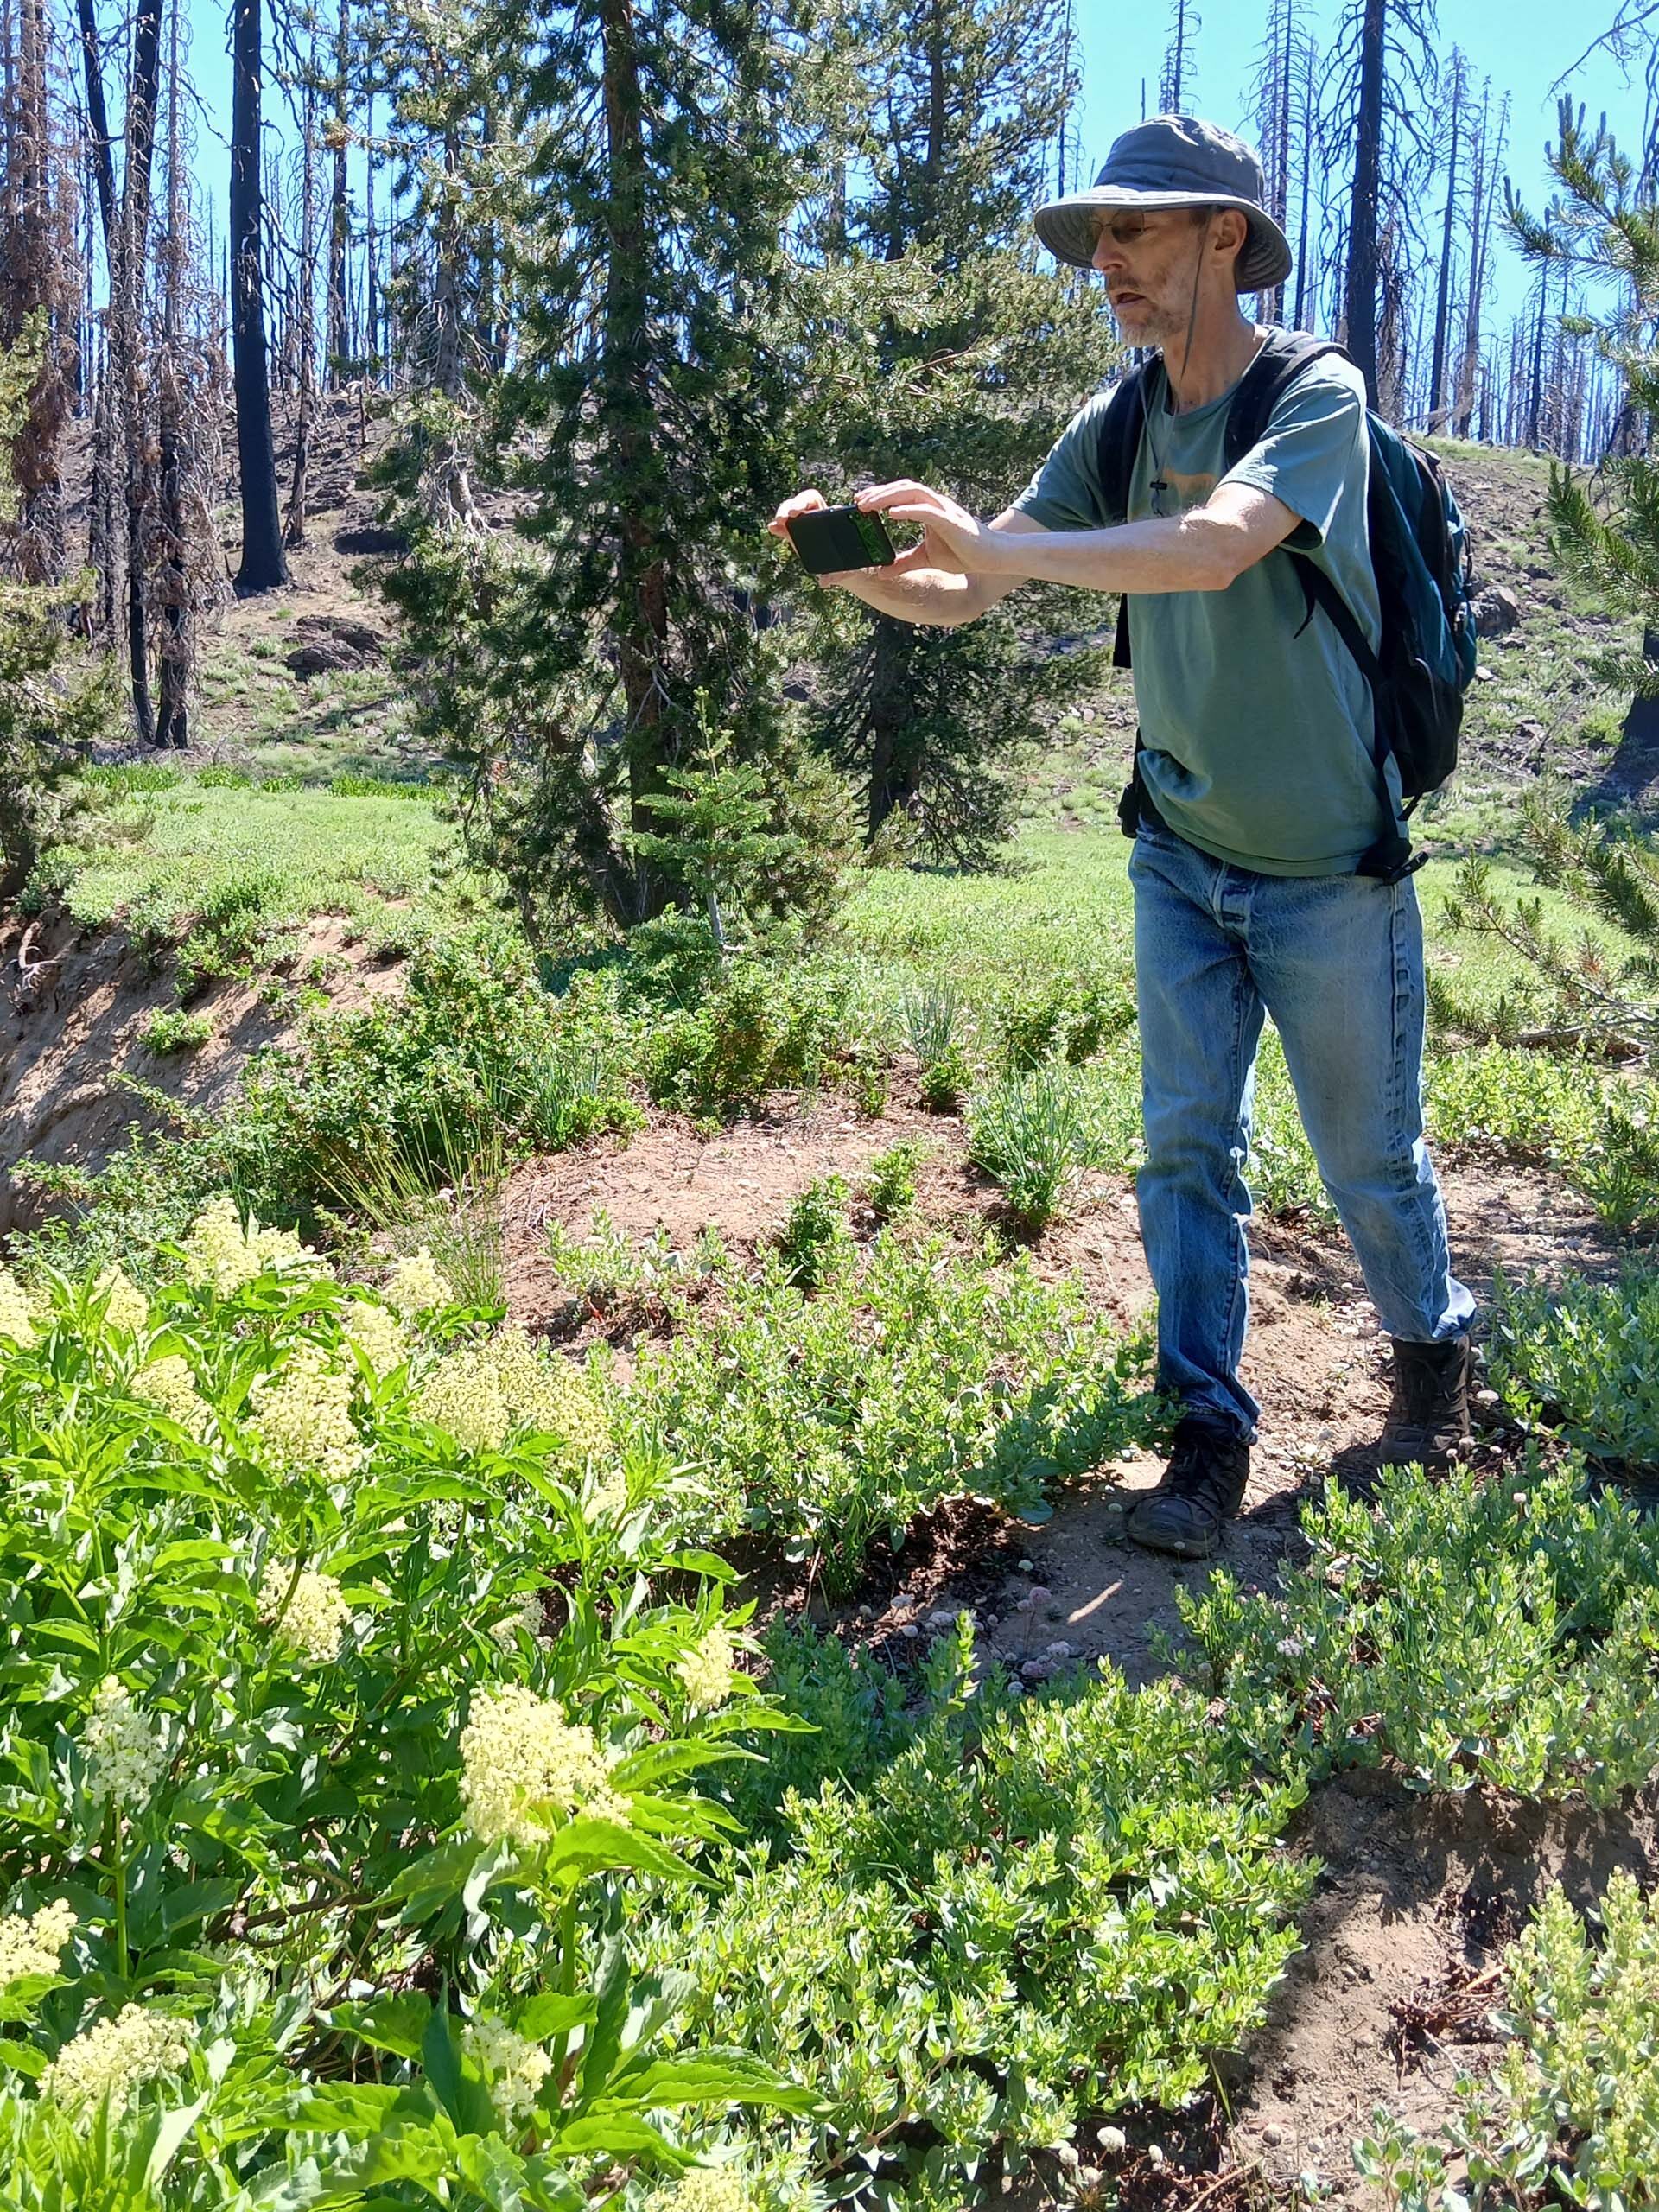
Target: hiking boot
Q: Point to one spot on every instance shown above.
(1202, 1489)
(1429, 1421)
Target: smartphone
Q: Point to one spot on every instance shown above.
(839, 537)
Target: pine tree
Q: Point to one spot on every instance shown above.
(934, 347)
(565, 671)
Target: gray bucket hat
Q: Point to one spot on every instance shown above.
(1172, 160)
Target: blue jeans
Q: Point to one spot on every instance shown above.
(1338, 962)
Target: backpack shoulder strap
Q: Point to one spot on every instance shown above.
(1119, 440)
(1283, 357)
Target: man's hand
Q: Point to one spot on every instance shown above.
(953, 540)
(913, 556)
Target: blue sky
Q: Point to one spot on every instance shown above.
(1523, 45)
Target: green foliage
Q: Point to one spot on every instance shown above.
(177, 1031)
(1030, 1134)
(815, 1242)
(44, 712)
(930, 1016)
(287, 1748)
(762, 1025)
(946, 1080)
(930, 347)
(835, 1419)
(890, 1182)
(1582, 1358)
(1515, 1103)
(1033, 1909)
(1570, 2112)
(1069, 1018)
(1468, 1631)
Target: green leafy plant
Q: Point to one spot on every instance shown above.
(890, 1180)
(1582, 1358)
(815, 1242)
(176, 1032)
(1500, 1633)
(945, 1081)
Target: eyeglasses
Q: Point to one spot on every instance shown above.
(1122, 230)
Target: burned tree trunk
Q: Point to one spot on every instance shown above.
(263, 567)
(1359, 288)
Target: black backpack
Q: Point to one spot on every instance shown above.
(1419, 551)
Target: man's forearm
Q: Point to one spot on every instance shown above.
(1190, 552)
(932, 596)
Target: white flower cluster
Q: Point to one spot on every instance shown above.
(703, 2189)
(113, 2057)
(314, 1620)
(527, 1769)
(31, 1946)
(515, 2067)
(482, 1392)
(417, 1283)
(220, 1254)
(525, 1619)
(16, 1321)
(377, 1332)
(302, 1418)
(125, 1306)
(708, 1668)
(607, 1499)
(124, 1753)
(168, 1382)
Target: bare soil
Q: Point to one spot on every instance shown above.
(1419, 1894)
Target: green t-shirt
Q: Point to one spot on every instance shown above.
(1257, 724)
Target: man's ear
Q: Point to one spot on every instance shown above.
(1231, 231)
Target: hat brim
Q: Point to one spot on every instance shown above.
(1070, 228)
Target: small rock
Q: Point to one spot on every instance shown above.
(991, 1620)
(1485, 676)
(1273, 2135)
(1496, 610)
(1054, 1612)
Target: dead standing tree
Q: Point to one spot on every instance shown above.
(264, 566)
(1379, 97)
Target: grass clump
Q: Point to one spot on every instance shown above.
(1468, 1631)
(833, 1419)
(1582, 1358)
(1034, 1910)
(1030, 1134)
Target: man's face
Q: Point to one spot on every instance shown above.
(1149, 261)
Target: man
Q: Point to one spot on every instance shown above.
(1258, 796)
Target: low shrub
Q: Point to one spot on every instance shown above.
(815, 1242)
(758, 1026)
(890, 1182)
(946, 1080)
(1036, 1909)
(1502, 1633)
(1582, 1358)
(175, 1032)
(1570, 2114)
(914, 1376)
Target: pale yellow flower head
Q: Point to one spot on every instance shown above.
(515, 2067)
(417, 1283)
(302, 1418)
(168, 1383)
(17, 1320)
(221, 1255)
(125, 1755)
(114, 2057)
(703, 2189)
(708, 1668)
(481, 1393)
(527, 1771)
(608, 1500)
(377, 1332)
(30, 1946)
(463, 1393)
(525, 1619)
(125, 1306)
(314, 1621)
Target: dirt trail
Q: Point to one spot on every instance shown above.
(1419, 1894)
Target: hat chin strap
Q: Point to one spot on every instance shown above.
(1197, 274)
